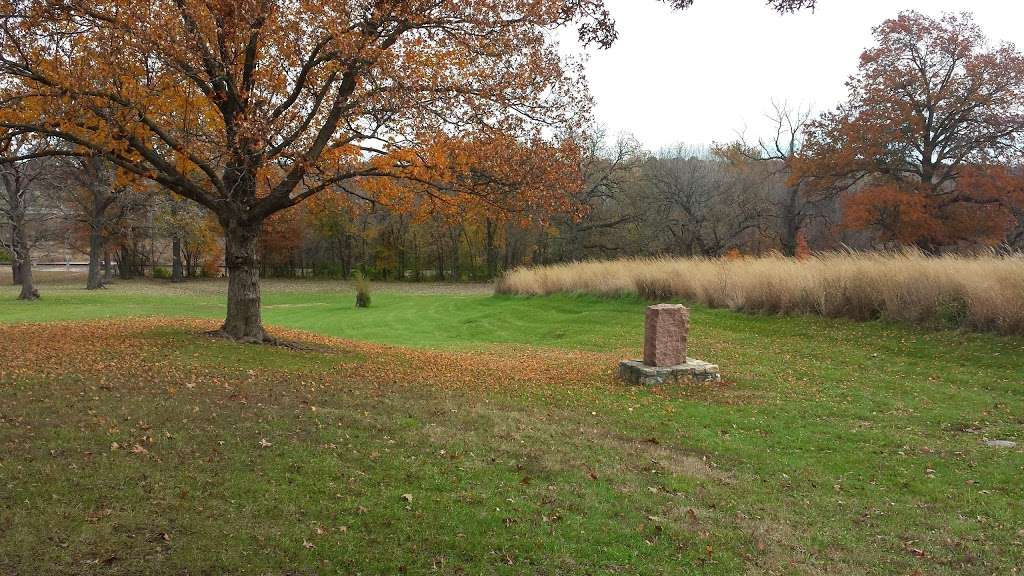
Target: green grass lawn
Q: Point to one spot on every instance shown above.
(832, 447)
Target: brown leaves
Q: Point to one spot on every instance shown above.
(57, 350)
(910, 547)
(302, 96)
(921, 145)
(98, 515)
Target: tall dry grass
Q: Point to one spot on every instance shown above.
(983, 293)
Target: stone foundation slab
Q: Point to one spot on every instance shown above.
(636, 372)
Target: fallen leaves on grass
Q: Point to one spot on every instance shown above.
(126, 353)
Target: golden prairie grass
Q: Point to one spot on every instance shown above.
(983, 293)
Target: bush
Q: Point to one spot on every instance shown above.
(5, 256)
(161, 273)
(362, 290)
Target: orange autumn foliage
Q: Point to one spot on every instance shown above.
(733, 254)
(281, 237)
(907, 215)
(803, 247)
(495, 176)
(250, 107)
(926, 143)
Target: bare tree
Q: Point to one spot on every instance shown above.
(706, 204)
(18, 207)
(91, 198)
(183, 223)
(794, 204)
(610, 172)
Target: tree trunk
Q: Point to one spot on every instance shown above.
(176, 268)
(188, 258)
(28, 289)
(492, 249)
(108, 268)
(439, 273)
(95, 279)
(454, 236)
(511, 254)
(15, 201)
(243, 322)
(15, 250)
(125, 263)
(23, 257)
(790, 223)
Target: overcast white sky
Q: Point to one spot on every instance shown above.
(700, 75)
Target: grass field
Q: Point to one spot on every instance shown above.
(445, 430)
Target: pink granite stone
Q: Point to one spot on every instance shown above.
(667, 327)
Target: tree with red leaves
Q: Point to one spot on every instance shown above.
(935, 115)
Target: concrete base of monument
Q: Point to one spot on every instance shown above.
(636, 372)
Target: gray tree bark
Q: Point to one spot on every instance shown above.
(28, 289)
(102, 198)
(454, 236)
(95, 278)
(108, 268)
(177, 274)
(243, 322)
(790, 221)
(22, 254)
(15, 267)
(492, 248)
(16, 188)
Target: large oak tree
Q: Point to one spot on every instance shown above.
(935, 115)
(249, 107)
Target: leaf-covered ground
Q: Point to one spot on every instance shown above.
(140, 445)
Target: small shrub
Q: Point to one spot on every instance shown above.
(362, 290)
(161, 273)
(5, 256)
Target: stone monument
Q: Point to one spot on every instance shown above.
(666, 330)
